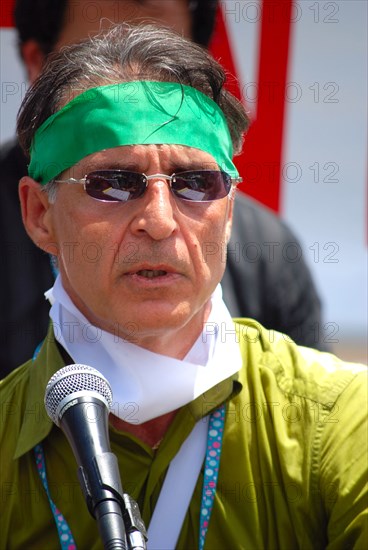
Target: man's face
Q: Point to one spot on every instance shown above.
(144, 269)
(84, 18)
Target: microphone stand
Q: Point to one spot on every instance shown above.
(135, 528)
(118, 517)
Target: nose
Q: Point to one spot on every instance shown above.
(156, 210)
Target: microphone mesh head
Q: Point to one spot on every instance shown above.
(71, 379)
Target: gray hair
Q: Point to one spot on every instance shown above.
(122, 54)
(50, 189)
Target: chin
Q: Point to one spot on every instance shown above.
(157, 320)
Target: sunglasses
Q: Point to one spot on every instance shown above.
(123, 185)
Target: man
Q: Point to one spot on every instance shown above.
(278, 293)
(127, 208)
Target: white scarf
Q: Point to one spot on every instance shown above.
(146, 385)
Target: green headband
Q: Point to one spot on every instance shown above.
(130, 113)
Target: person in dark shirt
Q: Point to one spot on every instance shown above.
(261, 281)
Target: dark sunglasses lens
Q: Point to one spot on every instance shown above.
(201, 185)
(114, 185)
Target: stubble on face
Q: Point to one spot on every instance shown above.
(118, 246)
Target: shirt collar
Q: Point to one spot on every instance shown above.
(36, 425)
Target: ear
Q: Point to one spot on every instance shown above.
(33, 58)
(36, 211)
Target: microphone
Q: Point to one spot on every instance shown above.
(78, 400)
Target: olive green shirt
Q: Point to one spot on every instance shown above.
(293, 471)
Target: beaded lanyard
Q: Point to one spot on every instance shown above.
(64, 532)
(65, 535)
(211, 469)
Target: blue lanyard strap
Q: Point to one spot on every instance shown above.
(211, 470)
(64, 532)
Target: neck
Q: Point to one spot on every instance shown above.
(151, 432)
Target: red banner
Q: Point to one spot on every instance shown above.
(260, 164)
(6, 13)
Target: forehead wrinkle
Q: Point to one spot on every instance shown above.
(137, 158)
(104, 164)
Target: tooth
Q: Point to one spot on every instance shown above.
(150, 273)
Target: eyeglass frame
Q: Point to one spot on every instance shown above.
(146, 179)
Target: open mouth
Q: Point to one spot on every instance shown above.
(151, 273)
